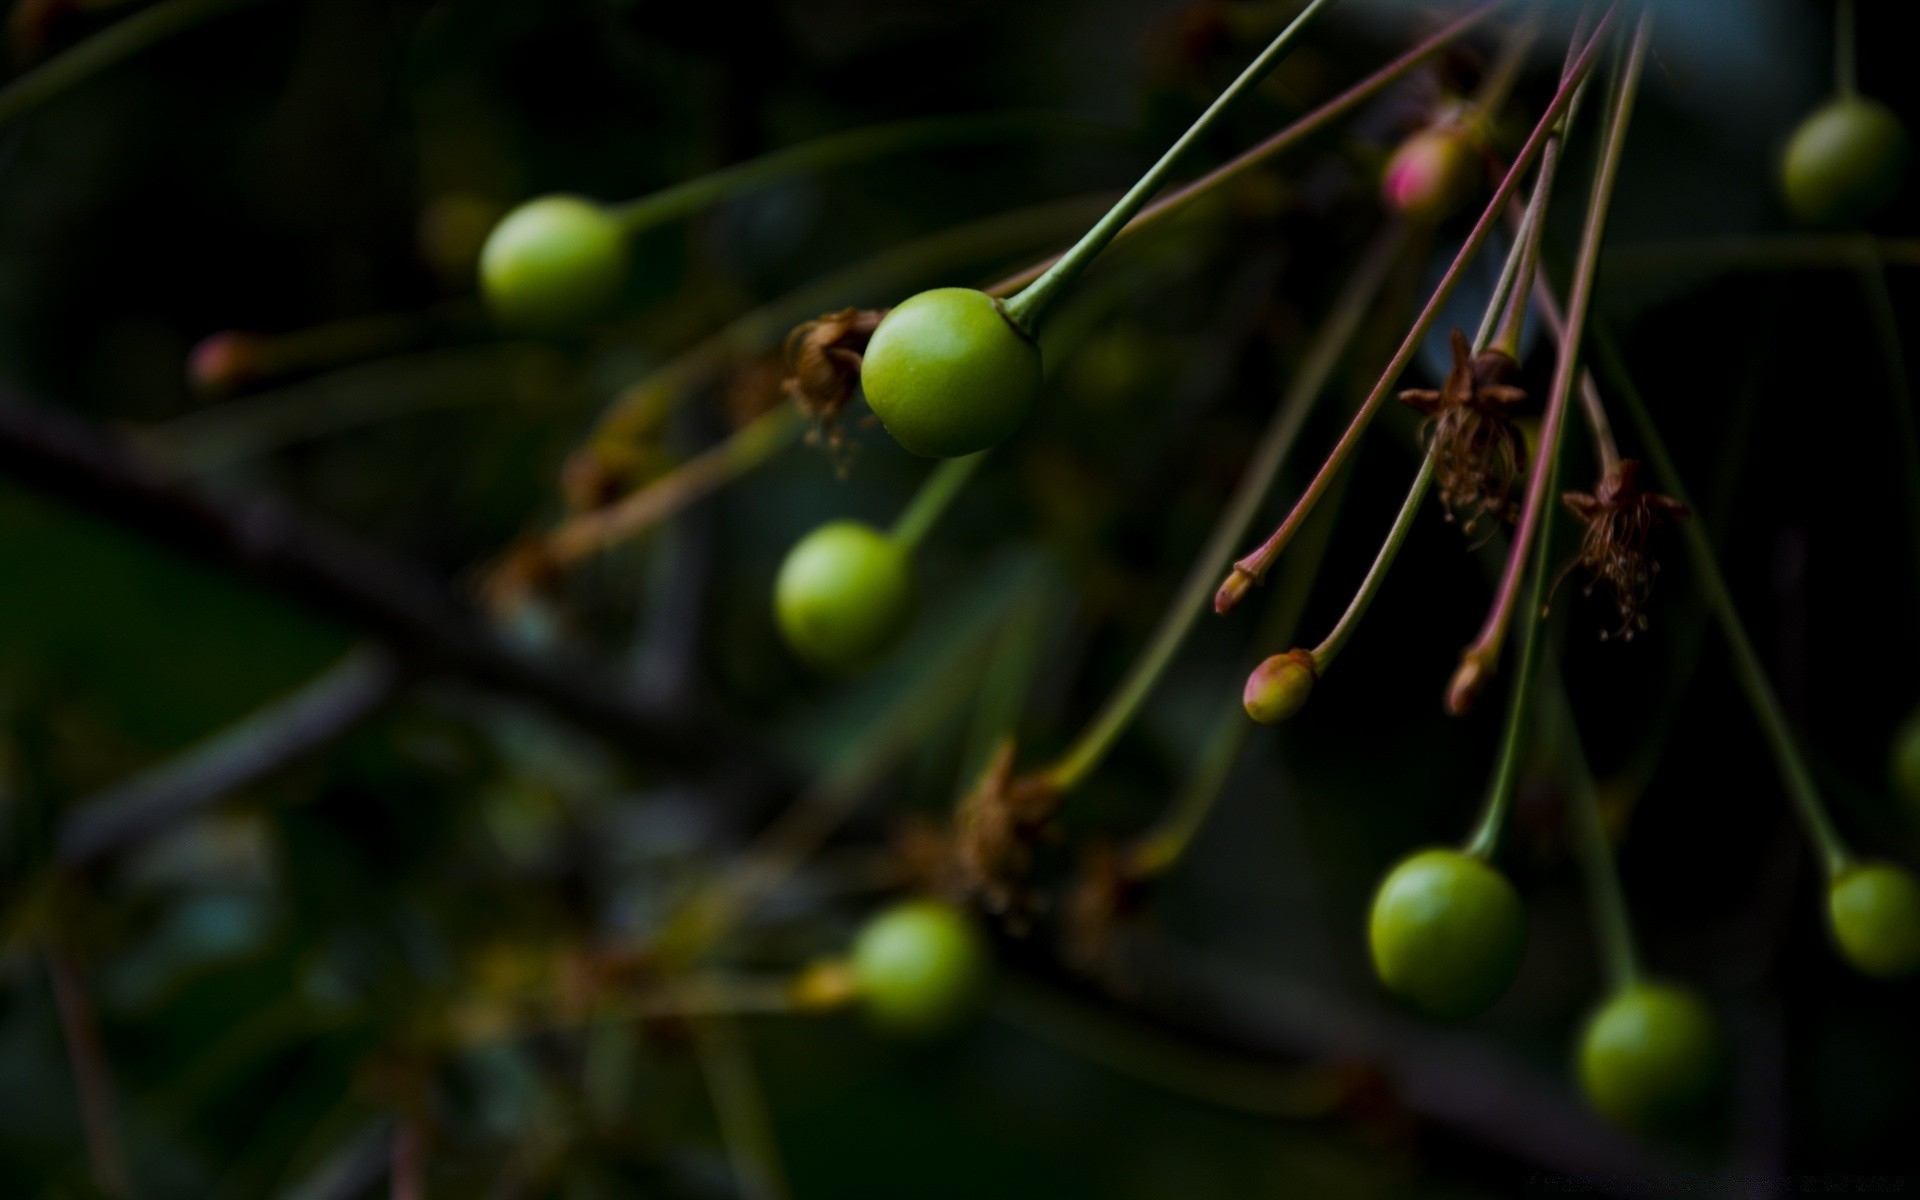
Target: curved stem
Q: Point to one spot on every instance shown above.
(1329, 649)
(1480, 658)
(822, 154)
(1321, 117)
(942, 485)
(1835, 856)
(1612, 926)
(1845, 52)
(1604, 445)
(1893, 362)
(1251, 569)
(118, 41)
(1027, 308)
(1349, 312)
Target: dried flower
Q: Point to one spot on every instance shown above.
(823, 367)
(1478, 454)
(1102, 902)
(1620, 517)
(995, 829)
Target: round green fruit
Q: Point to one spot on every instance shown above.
(844, 595)
(1447, 932)
(1649, 1056)
(1843, 162)
(1875, 911)
(553, 262)
(948, 374)
(920, 967)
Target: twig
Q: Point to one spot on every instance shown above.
(321, 569)
(92, 1077)
(291, 728)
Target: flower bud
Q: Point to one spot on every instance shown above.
(225, 361)
(1279, 687)
(1430, 175)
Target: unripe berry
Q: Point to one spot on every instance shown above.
(948, 374)
(1430, 175)
(920, 967)
(1905, 767)
(1447, 932)
(553, 262)
(1649, 1056)
(1875, 911)
(844, 594)
(1279, 687)
(1843, 162)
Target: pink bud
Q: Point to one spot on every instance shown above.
(1279, 687)
(1430, 174)
(225, 361)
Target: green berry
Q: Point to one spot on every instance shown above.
(919, 967)
(1843, 162)
(948, 374)
(1649, 1056)
(1447, 932)
(1279, 687)
(553, 262)
(1906, 763)
(844, 594)
(1876, 919)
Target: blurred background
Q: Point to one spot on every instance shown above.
(294, 984)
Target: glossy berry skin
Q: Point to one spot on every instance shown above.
(1447, 932)
(1875, 910)
(1843, 162)
(1905, 766)
(1649, 1056)
(948, 374)
(919, 967)
(552, 263)
(843, 596)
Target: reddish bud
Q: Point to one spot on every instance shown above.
(1430, 175)
(1279, 687)
(225, 361)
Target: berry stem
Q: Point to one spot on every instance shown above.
(1321, 117)
(1612, 926)
(1604, 445)
(118, 41)
(1327, 650)
(1845, 51)
(1872, 274)
(825, 153)
(1251, 569)
(1350, 310)
(1835, 856)
(1479, 659)
(1027, 308)
(942, 485)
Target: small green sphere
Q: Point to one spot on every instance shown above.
(920, 967)
(1279, 687)
(1649, 1056)
(1905, 765)
(553, 262)
(948, 374)
(1876, 919)
(844, 594)
(1843, 162)
(1447, 932)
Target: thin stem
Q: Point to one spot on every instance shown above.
(408, 1161)
(1893, 362)
(1329, 649)
(1612, 926)
(823, 154)
(1321, 117)
(121, 40)
(1027, 308)
(1835, 857)
(740, 1105)
(1480, 658)
(1605, 447)
(1349, 312)
(1251, 569)
(92, 1077)
(1845, 52)
(942, 485)
(586, 534)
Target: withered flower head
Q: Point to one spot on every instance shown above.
(995, 829)
(1478, 454)
(1620, 517)
(823, 366)
(1104, 898)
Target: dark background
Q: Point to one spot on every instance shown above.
(266, 971)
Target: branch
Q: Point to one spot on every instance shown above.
(335, 576)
